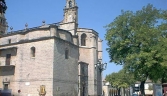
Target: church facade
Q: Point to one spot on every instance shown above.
(52, 59)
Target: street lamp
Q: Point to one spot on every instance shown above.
(100, 65)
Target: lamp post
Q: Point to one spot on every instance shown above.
(101, 67)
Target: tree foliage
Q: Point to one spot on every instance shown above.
(138, 41)
(120, 79)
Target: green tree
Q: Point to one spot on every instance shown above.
(138, 41)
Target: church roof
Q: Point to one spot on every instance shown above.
(23, 31)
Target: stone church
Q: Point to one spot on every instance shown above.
(52, 59)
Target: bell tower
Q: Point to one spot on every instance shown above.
(70, 12)
(70, 3)
(70, 21)
(3, 23)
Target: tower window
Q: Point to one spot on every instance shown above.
(8, 59)
(32, 51)
(83, 40)
(66, 54)
(9, 41)
(70, 4)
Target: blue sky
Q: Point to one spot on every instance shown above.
(94, 14)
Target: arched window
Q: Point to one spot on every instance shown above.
(32, 51)
(83, 40)
(9, 41)
(66, 53)
(70, 4)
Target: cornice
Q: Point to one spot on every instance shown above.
(36, 40)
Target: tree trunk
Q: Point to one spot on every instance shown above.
(142, 88)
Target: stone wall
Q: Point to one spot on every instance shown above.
(65, 70)
(48, 67)
(36, 70)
